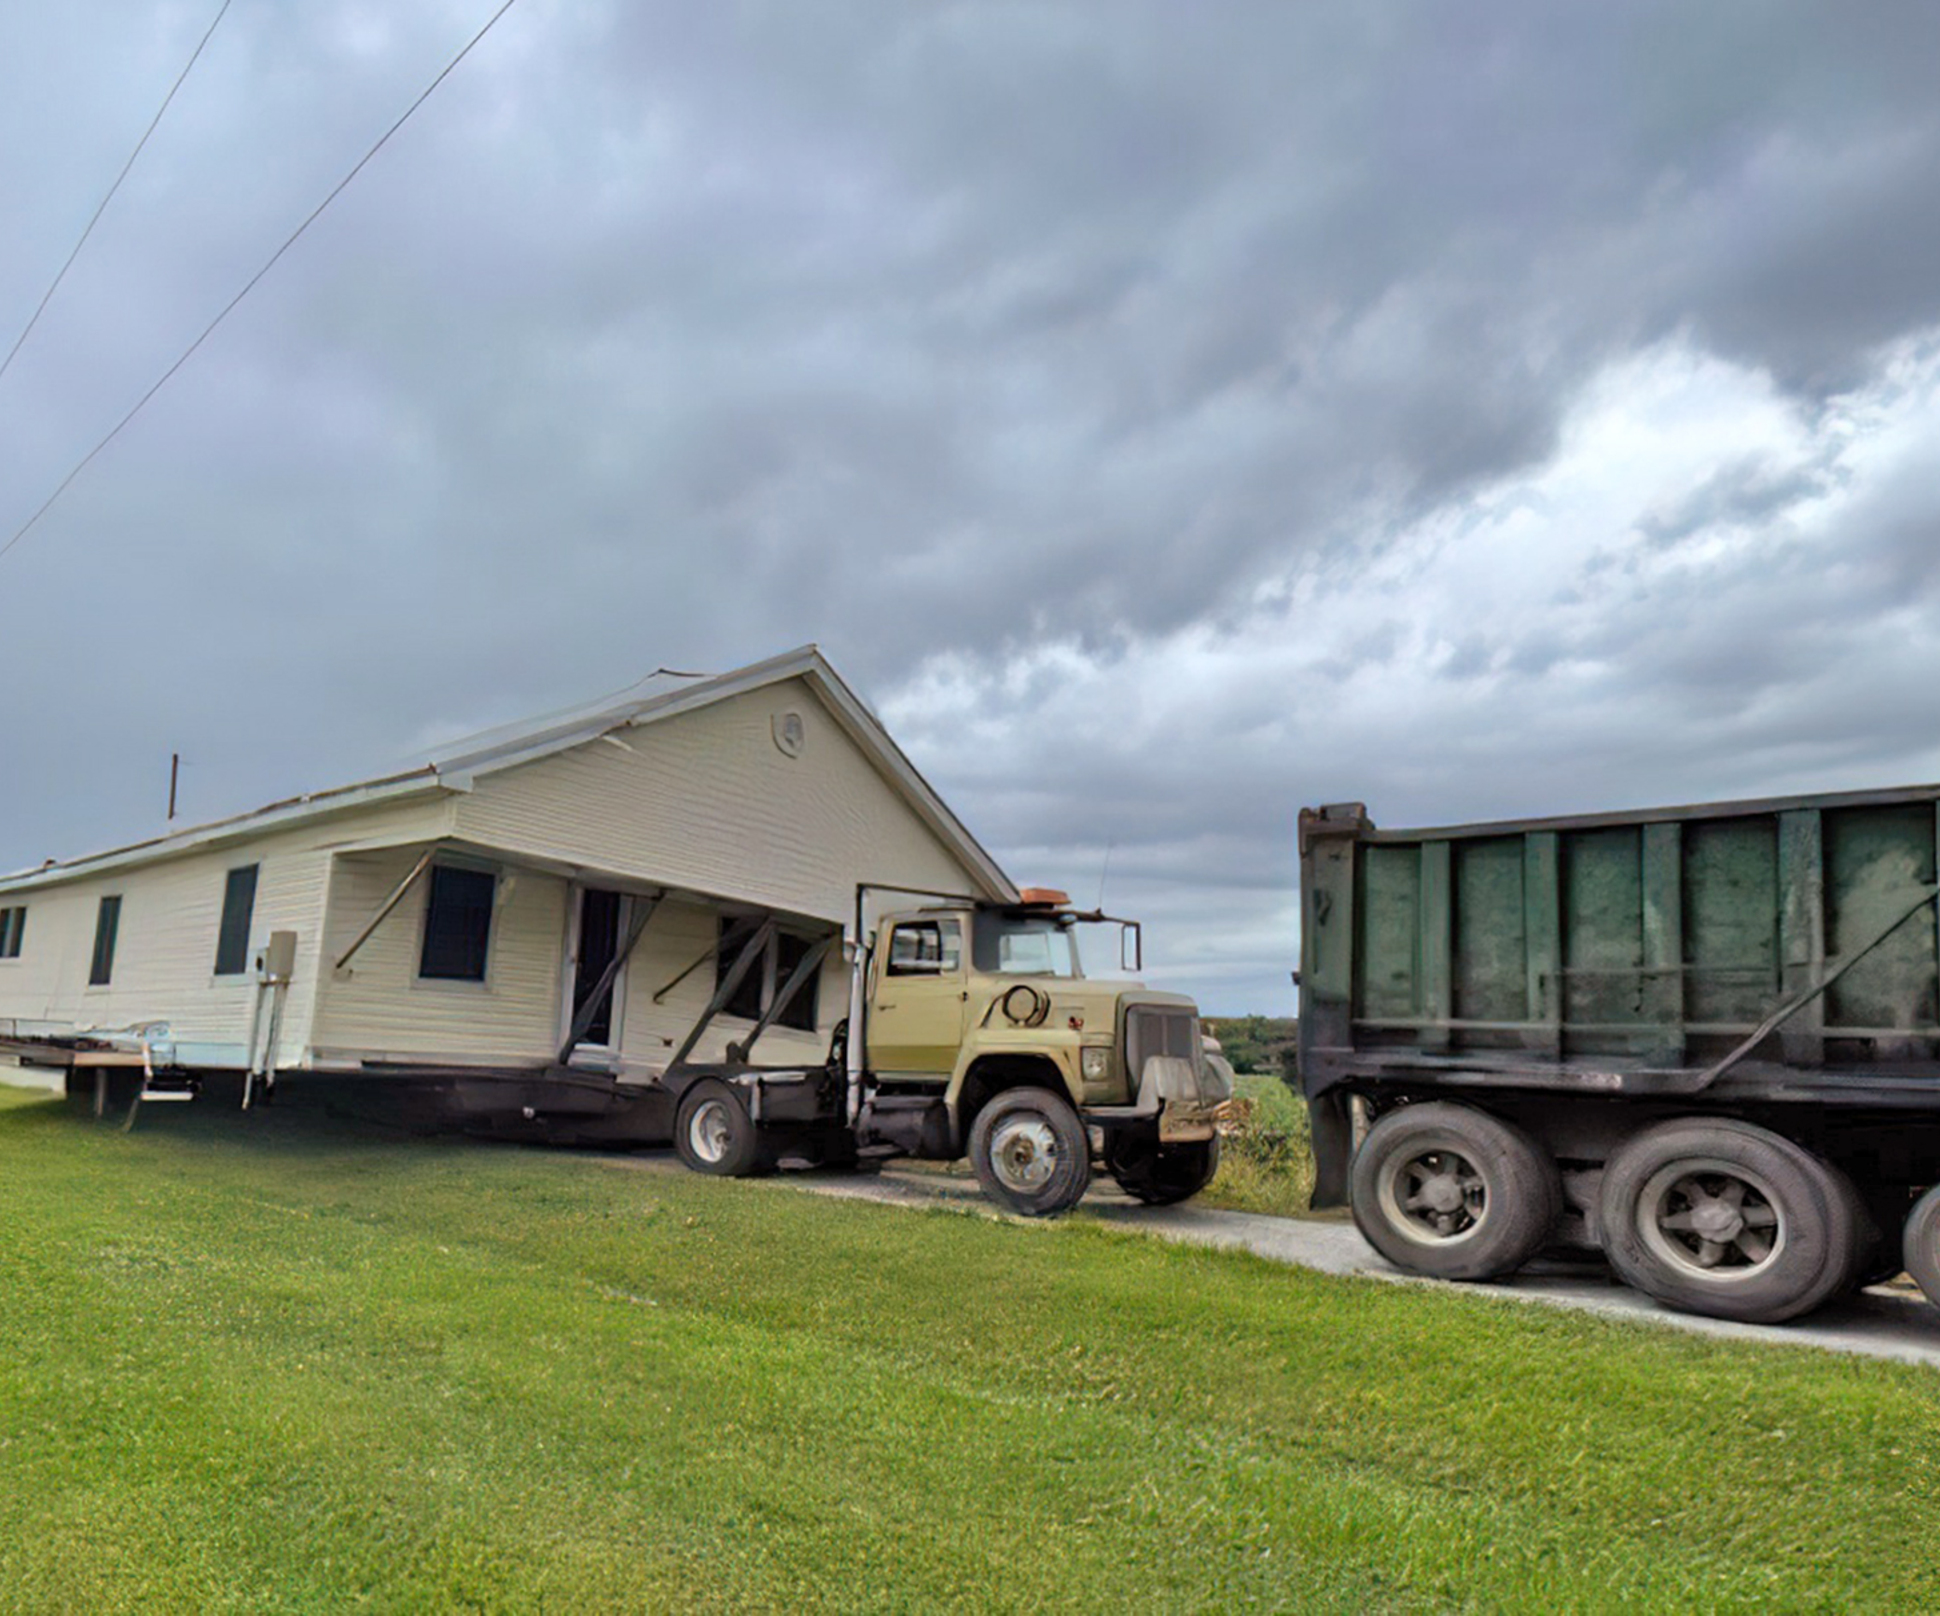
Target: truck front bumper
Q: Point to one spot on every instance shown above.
(1185, 1100)
(1188, 1121)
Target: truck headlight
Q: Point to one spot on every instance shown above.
(1095, 1064)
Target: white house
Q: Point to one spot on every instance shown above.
(464, 919)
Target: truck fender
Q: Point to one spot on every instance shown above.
(993, 1071)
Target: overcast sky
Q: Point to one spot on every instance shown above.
(1165, 415)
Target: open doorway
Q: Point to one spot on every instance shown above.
(597, 932)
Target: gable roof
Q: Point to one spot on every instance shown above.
(661, 696)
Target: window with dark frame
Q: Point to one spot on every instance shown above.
(13, 923)
(767, 976)
(107, 926)
(457, 924)
(238, 910)
(925, 948)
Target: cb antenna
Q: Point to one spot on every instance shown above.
(1104, 872)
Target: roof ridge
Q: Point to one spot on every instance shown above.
(558, 731)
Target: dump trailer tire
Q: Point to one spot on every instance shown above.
(1452, 1192)
(1160, 1175)
(1922, 1244)
(1723, 1218)
(714, 1134)
(1874, 1256)
(1031, 1153)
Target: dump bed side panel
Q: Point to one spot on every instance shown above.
(1631, 954)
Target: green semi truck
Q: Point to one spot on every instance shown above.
(1704, 1041)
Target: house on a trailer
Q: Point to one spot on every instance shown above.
(548, 911)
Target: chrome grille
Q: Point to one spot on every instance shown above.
(1159, 1030)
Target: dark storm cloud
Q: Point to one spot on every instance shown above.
(679, 334)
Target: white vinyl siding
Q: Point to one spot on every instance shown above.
(171, 914)
(379, 1007)
(674, 939)
(708, 802)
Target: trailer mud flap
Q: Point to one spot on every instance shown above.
(1333, 1145)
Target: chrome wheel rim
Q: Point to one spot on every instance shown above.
(1024, 1153)
(710, 1130)
(1434, 1196)
(1712, 1220)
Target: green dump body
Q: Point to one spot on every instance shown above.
(1757, 958)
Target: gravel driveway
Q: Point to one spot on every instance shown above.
(1890, 1321)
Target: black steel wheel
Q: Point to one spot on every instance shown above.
(1921, 1244)
(1723, 1218)
(1452, 1192)
(1030, 1152)
(714, 1134)
(1158, 1174)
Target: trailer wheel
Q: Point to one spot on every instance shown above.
(1160, 1175)
(713, 1132)
(1723, 1218)
(1031, 1153)
(1922, 1244)
(1452, 1192)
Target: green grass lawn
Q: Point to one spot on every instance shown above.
(247, 1367)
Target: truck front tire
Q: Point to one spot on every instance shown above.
(714, 1134)
(1030, 1152)
(1160, 1175)
(1723, 1218)
(1452, 1192)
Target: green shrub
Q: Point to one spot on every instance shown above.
(1255, 1043)
(1265, 1151)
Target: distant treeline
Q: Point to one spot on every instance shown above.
(1257, 1043)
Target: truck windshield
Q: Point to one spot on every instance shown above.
(1023, 945)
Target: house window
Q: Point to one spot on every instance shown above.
(457, 924)
(107, 925)
(238, 909)
(12, 923)
(766, 976)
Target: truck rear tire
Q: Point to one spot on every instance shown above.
(714, 1134)
(1030, 1152)
(1452, 1192)
(1719, 1217)
(1922, 1244)
(1160, 1175)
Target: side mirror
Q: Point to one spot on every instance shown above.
(1131, 947)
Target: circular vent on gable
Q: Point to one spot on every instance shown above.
(791, 733)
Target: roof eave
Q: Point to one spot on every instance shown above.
(240, 827)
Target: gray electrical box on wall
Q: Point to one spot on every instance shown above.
(277, 961)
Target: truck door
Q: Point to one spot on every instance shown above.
(916, 1017)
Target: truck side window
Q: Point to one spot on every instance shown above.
(925, 948)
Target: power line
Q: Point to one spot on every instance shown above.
(48, 296)
(250, 285)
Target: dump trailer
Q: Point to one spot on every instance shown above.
(973, 1031)
(1704, 1041)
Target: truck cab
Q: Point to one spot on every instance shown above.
(980, 1035)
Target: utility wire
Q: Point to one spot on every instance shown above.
(48, 296)
(249, 286)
